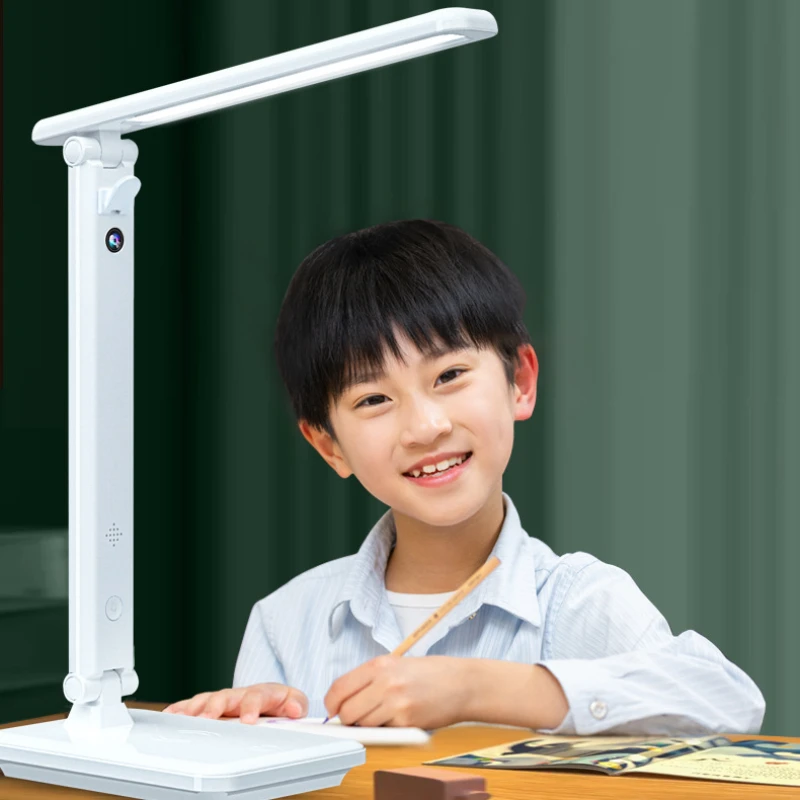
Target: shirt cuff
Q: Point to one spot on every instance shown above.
(591, 709)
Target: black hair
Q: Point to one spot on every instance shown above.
(428, 279)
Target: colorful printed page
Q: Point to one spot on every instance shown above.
(774, 762)
(750, 761)
(611, 755)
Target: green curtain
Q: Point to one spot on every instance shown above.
(631, 161)
(673, 442)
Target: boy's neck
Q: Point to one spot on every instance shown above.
(430, 560)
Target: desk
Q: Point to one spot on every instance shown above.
(503, 785)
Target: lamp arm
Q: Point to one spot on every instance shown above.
(102, 189)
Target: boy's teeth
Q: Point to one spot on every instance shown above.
(429, 469)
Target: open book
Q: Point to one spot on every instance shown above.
(712, 757)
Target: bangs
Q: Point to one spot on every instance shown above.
(431, 282)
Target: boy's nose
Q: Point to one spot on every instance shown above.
(424, 423)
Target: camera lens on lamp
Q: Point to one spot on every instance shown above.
(114, 240)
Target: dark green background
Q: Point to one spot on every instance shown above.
(635, 163)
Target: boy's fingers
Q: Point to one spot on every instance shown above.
(250, 708)
(346, 686)
(270, 699)
(222, 702)
(196, 704)
(296, 704)
(356, 708)
(274, 700)
(283, 701)
(179, 707)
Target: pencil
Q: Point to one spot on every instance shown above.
(469, 584)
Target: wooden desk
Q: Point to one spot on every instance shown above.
(503, 785)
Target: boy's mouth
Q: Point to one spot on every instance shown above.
(432, 470)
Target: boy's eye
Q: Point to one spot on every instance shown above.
(450, 372)
(367, 400)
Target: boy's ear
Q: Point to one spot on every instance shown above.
(322, 442)
(525, 378)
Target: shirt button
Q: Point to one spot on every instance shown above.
(472, 616)
(599, 709)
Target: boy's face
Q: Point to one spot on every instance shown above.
(456, 403)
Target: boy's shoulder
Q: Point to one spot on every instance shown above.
(536, 555)
(549, 564)
(578, 578)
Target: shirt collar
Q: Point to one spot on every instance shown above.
(511, 587)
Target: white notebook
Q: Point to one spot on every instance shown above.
(367, 736)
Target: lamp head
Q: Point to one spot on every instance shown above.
(305, 66)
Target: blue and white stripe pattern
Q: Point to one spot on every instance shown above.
(619, 664)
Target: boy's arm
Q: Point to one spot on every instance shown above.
(622, 671)
(507, 693)
(257, 661)
(258, 686)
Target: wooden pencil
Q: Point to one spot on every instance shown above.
(469, 584)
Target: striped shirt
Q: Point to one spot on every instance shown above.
(621, 668)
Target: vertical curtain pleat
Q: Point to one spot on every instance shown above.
(675, 187)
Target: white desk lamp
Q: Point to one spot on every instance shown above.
(103, 746)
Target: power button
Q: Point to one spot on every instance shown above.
(114, 608)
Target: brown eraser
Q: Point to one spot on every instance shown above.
(428, 783)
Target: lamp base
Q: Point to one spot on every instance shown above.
(175, 757)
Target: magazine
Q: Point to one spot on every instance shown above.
(772, 761)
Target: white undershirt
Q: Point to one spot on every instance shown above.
(412, 610)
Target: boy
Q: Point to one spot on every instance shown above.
(407, 362)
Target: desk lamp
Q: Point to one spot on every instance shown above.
(102, 745)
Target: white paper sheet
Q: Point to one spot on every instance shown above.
(367, 736)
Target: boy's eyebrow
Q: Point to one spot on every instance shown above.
(369, 375)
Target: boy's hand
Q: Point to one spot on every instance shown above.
(248, 703)
(428, 692)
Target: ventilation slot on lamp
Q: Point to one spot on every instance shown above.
(114, 534)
